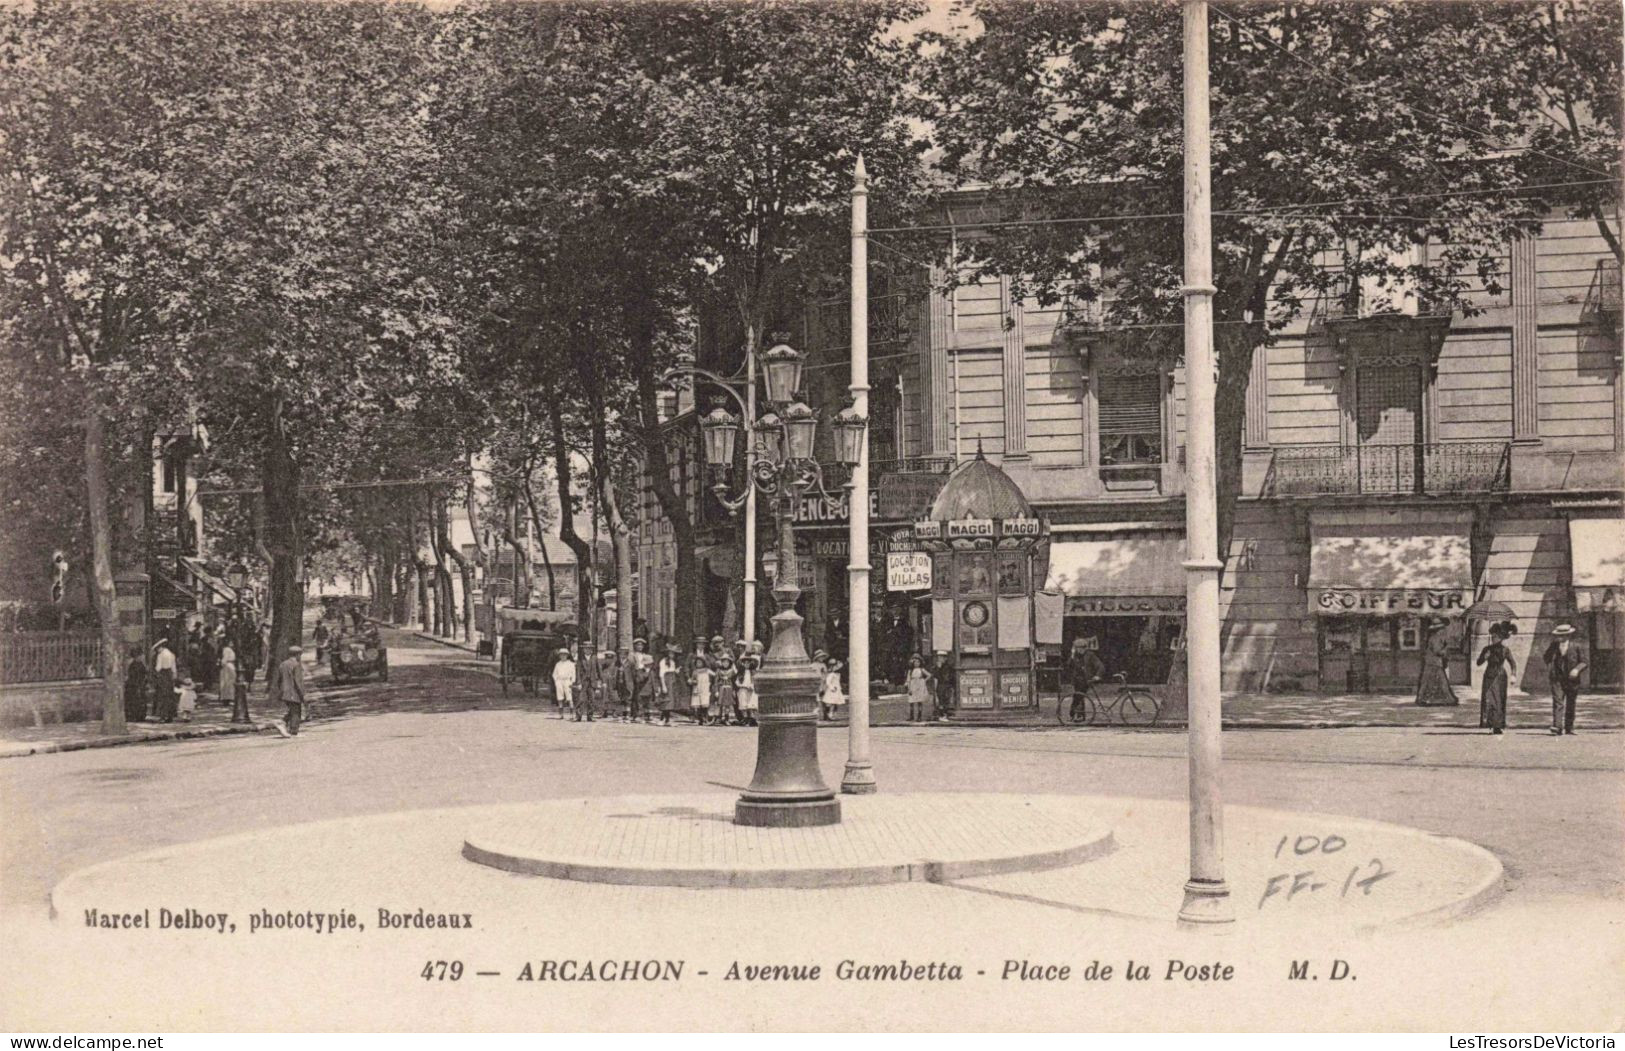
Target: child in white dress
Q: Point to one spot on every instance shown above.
(832, 696)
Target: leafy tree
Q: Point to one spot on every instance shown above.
(1383, 126)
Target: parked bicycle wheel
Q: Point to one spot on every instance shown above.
(1139, 701)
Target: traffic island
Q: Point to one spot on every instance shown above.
(693, 841)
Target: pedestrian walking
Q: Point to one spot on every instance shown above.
(1497, 662)
(699, 682)
(945, 680)
(136, 683)
(918, 683)
(248, 651)
(671, 684)
(288, 688)
(186, 699)
(1563, 668)
(1433, 688)
(228, 670)
(640, 688)
(204, 676)
(163, 682)
(832, 696)
(320, 635)
(564, 682)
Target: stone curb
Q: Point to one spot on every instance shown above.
(47, 747)
(756, 877)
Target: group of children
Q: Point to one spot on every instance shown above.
(715, 685)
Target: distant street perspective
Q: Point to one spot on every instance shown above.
(980, 498)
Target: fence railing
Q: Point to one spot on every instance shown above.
(1445, 467)
(47, 656)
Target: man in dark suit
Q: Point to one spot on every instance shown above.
(1563, 667)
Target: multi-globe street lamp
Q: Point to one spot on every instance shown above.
(787, 790)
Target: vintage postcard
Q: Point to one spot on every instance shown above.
(801, 516)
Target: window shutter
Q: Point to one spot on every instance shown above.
(1130, 404)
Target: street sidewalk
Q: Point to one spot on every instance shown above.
(212, 719)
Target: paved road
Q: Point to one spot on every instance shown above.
(442, 734)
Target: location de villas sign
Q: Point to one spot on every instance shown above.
(908, 571)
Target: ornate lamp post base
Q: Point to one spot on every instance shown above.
(787, 815)
(788, 789)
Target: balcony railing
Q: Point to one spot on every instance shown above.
(46, 656)
(1338, 470)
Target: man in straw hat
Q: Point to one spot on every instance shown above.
(1563, 668)
(564, 681)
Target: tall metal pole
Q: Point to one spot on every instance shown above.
(1207, 897)
(749, 598)
(859, 778)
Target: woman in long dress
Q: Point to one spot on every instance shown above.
(918, 682)
(228, 671)
(1434, 688)
(1498, 665)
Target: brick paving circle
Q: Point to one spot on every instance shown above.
(691, 841)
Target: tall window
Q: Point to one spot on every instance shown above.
(1130, 412)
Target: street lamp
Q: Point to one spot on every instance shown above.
(787, 790)
(237, 578)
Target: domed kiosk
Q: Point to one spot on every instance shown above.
(987, 550)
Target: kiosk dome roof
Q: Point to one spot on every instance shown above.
(979, 489)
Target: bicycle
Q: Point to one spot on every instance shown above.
(1088, 708)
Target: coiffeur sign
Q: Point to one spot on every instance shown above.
(1387, 602)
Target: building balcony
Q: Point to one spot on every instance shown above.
(1431, 470)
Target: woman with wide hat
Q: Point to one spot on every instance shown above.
(1433, 688)
(1498, 663)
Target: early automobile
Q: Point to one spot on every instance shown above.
(358, 654)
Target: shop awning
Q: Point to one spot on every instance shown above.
(1597, 551)
(201, 573)
(1134, 575)
(1365, 570)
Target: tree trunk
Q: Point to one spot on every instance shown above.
(465, 572)
(101, 543)
(1235, 358)
(621, 537)
(283, 540)
(445, 615)
(673, 504)
(426, 613)
(521, 558)
(541, 542)
(567, 524)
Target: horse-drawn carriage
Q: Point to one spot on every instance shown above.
(529, 641)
